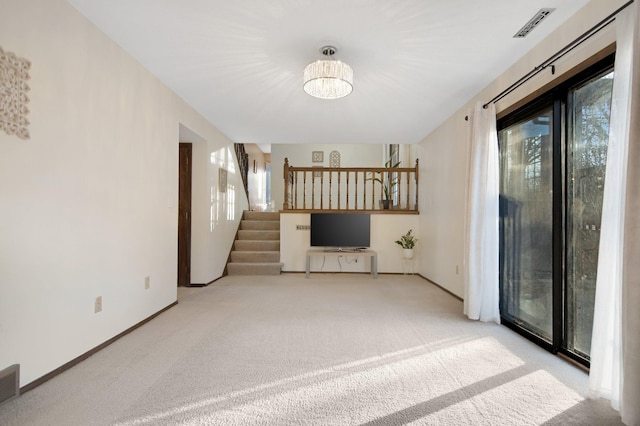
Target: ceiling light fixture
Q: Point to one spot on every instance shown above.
(328, 78)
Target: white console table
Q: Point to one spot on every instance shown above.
(360, 253)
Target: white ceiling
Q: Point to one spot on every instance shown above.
(240, 62)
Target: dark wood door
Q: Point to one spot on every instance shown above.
(184, 215)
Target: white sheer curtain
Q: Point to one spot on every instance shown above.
(481, 293)
(615, 372)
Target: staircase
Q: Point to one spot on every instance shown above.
(256, 250)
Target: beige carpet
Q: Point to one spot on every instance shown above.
(334, 349)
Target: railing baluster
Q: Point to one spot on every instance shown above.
(408, 190)
(398, 185)
(294, 190)
(338, 206)
(373, 194)
(322, 190)
(363, 196)
(313, 190)
(355, 204)
(330, 187)
(347, 195)
(304, 190)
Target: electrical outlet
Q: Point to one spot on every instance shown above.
(147, 282)
(98, 304)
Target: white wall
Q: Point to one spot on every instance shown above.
(443, 167)
(257, 177)
(88, 205)
(385, 230)
(444, 153)
(215, 214)
(299, 155)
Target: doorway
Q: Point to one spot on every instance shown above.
(552, 169)
(184, 214)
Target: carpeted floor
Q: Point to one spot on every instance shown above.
(334, 349)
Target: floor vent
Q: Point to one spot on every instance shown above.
(533, 22)
(9, 383)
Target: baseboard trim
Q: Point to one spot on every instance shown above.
(79, 359)
(442, 288)
(203, 284)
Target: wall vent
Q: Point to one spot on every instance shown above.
(533, 22)
(9, 383)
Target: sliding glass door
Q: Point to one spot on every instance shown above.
(588, 134)
(526, 206)
(552, 171)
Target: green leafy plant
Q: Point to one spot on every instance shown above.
(408, 240)
(386, 179)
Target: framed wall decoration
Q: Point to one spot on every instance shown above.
(317, 156)
(334, 159)
(14, 73)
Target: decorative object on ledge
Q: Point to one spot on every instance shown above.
(388, 180)
(407, 242)
(328, 78)
(334, 159)
(222, 180)
(14, 73)
(317, 156)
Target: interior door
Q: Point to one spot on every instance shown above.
(184, 215)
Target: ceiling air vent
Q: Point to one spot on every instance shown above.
(533, 22)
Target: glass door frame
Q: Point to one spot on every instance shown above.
(558, 99)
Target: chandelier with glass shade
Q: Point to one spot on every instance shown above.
(328, 78)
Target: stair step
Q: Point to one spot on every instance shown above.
(260, 225)
(248, 215)
(256, 245)
(259, 245)
(256, 251)
(244, 234)
(254, 268)
(255, 256)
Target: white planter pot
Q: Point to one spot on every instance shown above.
(407, 253)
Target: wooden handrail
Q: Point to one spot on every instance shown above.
(350, 188)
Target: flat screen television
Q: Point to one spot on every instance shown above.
(341, 231)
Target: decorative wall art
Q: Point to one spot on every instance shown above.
(222, 180)
(14, 73)
(317, 156)
(334, 159)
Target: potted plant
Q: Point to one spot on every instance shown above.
(387, 180)
(407, 242)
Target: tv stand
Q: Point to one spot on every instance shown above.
(341, 252)
(344, 250)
